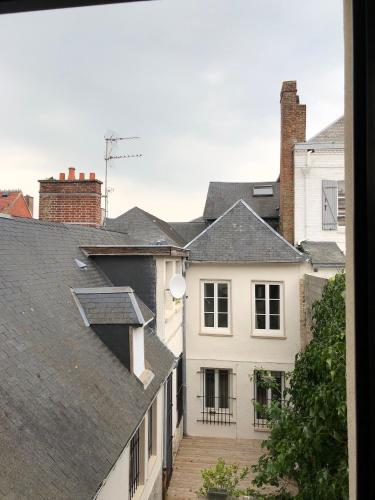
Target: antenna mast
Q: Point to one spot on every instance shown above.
(112, 139)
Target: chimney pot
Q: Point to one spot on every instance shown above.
(81, 176)
(71, 176)
(92, 176)
(62, 176)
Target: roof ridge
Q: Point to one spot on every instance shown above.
(211, 225)
(311, 139)
(271, 228)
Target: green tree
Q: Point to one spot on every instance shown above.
(307, 445)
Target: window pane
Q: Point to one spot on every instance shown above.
(274, 307)
(209, 290)
(260, 322)
(222, 320)
(209, 389)
(274, 291)
(260, 291)
(223, 305)
(260, 306)
(274, 322)
(222, 290)
(261, 397)
(209, 319)
(208, 305)
(223, 389)
(276, 393)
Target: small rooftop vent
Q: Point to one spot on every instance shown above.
(81, 265)
(263, 191)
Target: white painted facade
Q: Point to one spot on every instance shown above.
(314, 163)
(116, 485)
(169, 327)
(240, 348)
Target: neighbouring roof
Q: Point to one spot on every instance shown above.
(334, 133)
(68, 405)
(144, 228)
(323, 253)
(188, 230)
(240, 235)
(222, 195)
(13, 203)
(113, 306)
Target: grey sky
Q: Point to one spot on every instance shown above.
(198, 80)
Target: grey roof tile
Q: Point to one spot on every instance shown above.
(334, 133)
(112, 306)
(144, 228)
(222, 195)
(240, 235)
(68, 406)
(188, 230)
(324, 253)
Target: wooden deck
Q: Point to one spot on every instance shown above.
(197, 453)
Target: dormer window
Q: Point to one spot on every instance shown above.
(118, 316)
(263, 191)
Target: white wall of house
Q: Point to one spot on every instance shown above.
(116, 485)
(169, 326)
(239, 349)
(309, 170)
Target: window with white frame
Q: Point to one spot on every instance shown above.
(215, 306)
(267, 307)
(216, 396)
(268, 387)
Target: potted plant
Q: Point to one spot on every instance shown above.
(221, 481)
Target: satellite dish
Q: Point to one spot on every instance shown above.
(177, 286)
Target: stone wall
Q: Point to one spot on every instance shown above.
(311, 290)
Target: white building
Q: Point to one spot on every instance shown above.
(242, 315)
(148, 269)
(319, 201)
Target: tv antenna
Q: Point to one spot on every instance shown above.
(111, 139)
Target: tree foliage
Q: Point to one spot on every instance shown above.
(307, 445)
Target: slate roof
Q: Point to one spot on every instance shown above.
(222, 195)
(145, 229)
(334, 133)
(323, 253)
(188, 230)
(240, 235)
(113, 306)
(67, 404)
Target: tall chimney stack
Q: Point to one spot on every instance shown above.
(71, 200)
(293, 130)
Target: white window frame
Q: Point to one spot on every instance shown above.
(216, 388)
(269, 390)
(268, 332)
(216, 329)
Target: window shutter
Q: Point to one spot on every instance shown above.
(329, 205)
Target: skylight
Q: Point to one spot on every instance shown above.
(262, 191)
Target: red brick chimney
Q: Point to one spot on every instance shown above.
(293, 129)
(72, 200)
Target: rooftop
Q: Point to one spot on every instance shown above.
(69, 406)
(262, 197)
(240, 235)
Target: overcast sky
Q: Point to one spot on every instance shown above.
(198, 80)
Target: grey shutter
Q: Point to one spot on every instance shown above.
(329, 205)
